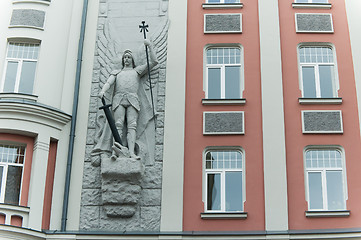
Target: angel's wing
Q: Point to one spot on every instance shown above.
(106, 56)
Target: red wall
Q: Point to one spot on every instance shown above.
(295, 140)
(196, 142)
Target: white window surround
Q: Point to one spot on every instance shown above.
(221, 4)
(222, 67)
(316, 65)
(222, 213)
(12, 155)
(311, 1)
(223, 1)
(339, 166)
(23, 56)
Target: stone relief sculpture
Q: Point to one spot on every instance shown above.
(124, 83)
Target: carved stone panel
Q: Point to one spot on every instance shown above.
(223, 123)
(28, 17)
(307, 22)
(223, 23)
(322, 122)
(122, 190)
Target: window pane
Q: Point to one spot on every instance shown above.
(13, 183)
(335, 197)
(27, 77)
(213, 1)
(10, 77)
(231, 1)
(233, 85)
(315, 190)
(301, 1)
(308, 78)
(214, 192)
(214, 83)
(233, 190)
(326, 81)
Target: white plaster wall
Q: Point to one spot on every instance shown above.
(274, 150)
(353, 8)
(83, 107)
(173, 162)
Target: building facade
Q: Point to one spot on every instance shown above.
(250, 128)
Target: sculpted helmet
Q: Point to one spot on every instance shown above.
(128, 51)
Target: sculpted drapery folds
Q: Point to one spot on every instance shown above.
(124, 83)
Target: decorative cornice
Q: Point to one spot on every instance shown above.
(33, 112)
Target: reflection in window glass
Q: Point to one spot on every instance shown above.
(224, 176)
(11, 168)
(326, 187)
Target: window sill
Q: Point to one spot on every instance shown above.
(21, 96)
(312, 5)
(221, 5)
(224, 215)
(306, 101)
(45, 2)
(240, 101)
(338, 213)
(32, 27)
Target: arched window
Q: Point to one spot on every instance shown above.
(325, 179)
(318, 72)
(223, 73)
(20, 67)
(224, 181)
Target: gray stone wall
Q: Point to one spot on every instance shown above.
(223, 23)
(125, 17)
(27, 17)
(223, 123)
(322, 122)
(314, 23)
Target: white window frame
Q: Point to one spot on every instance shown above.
(222, 1)
(20, 62)
(310, 1)
(222, 172)
(323, 172)
(5, 172)
(223, 70)
(316, 66)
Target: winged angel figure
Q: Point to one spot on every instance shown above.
(124, 83)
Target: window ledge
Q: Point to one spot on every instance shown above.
(320, 100)
(312, 5)
(224, 215)
(24, 26)
(240, 101)
(19, 96)
(11, 207)
(45, 2)
(338, 213)
(221, 5)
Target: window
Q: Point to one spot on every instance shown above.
(317, 68)
(11, 169)
(20, 67)
(311, 1)
(223, 72)
(223, 1)
(224, 181)
(325, 179)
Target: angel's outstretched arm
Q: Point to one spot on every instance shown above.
(153, 61)
(107, 85)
